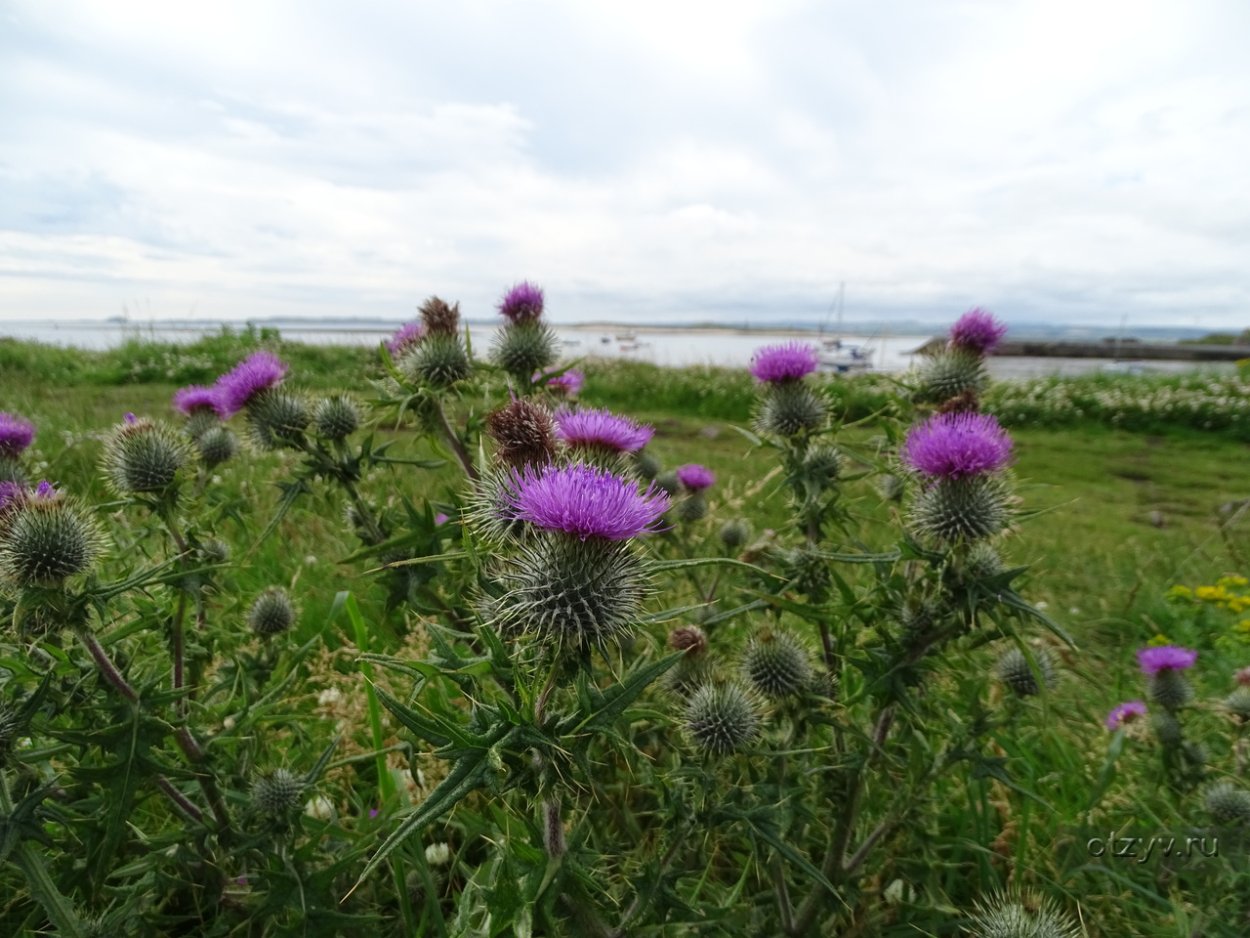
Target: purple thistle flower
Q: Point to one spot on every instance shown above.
(977, 331)
(583, 501)
(1165, 658)
(601, 429)
(696, 477)
(373, 812)
(130, 417)
(567, 383)
(405, 337)
(258, 372)
(1125, 713)
(951, 446)
(10, 494)
(15, 434)
(196, 397)
(440, 519)
(779, 364)
(523, 303)
(45, 489)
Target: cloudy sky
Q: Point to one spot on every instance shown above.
(1056, 160)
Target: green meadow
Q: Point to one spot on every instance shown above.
(1120, 502)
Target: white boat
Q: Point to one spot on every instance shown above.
(839, 356)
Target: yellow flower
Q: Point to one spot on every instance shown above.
(1232, 582)
(1180, 592)
(1159, 640)
(1243, 626)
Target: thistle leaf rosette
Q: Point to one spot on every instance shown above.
(959, 457)
(575, 580)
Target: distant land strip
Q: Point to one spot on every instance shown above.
(1110, 348)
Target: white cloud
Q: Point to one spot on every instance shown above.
(1045, 159)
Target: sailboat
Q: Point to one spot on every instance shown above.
(839, 356)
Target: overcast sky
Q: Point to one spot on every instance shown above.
(1059, 160)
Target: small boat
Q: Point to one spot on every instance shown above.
(625, 337)
(570, 343)
(839, 356)
(606, 340)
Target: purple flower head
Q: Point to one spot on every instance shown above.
(405, 337)
(45, 489)
(440, 519)
(15, 434)
(583, 501)
(1125, 713)
(373, 812)
(258, 372)
(1165, 658)
(196, 397)
(601, 429)
(523, 303)
(130, 417)
(696, 477)
(11, 493)
(977, 331)
(952, 446)
(568, 383)
(778, 364)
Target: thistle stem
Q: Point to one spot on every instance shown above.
(454, 441)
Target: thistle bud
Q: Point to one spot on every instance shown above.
(1167, 728)
(199, 422)
(790, 409)
(439, 361)
(336, 418)
(983, 561)
(1015, 670)
(278, 418)
(142, 457)
(278, 794)
(648, 466)
(1238, 703)
(216, 445)
(214, 551)
(692, 508)
(523, 348)
(822, 464)
(667, 482)
(722, 718)
(776, 664)
(1227, 804)
(48, 539)
(735, 533)
(272, 613)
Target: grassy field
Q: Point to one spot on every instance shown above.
(1115, 520)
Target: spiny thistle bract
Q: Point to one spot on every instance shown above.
(571, 593)
(790, 410)
(1227, 804)
(648, 467)
(1014, 669)
(809, 571)
(1022, 915)
(49, 538)
(217, 445)
(214, 551)
(439, 361)
(200, 422)
(272, 612)
(722, 718)
(336, 418)
(11, 471)
(776, 664)
(524, 348)
(950, 510)
(667, 482)
(983, 561)
(1167, 728)
(735, 533)
(144, 458)
(278, 794)
(1169, 689)
(278, 418)
(950, 373)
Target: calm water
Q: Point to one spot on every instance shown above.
(726, 348)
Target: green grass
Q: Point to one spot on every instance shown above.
(1115, 519)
